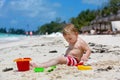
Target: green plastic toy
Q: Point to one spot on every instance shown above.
(50, 70)
(39, 69)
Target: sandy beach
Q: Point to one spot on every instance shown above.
(104, 59)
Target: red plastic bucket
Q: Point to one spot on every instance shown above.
(23, 64)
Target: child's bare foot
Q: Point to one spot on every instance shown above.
(33, 65)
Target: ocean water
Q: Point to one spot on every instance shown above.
(10, 37)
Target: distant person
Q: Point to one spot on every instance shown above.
(92, 31)
(77, 51)
(109, 31)
(86, 33)
(31, 33)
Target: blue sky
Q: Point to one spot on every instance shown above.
(29, 14)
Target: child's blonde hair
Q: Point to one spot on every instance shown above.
(69, 28)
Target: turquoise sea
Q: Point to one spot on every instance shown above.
(10, 37)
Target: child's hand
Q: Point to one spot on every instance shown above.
(84, 58)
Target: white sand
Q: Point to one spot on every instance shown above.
(38, 49)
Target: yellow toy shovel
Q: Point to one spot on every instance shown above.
(83, 67)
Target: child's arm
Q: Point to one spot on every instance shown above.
(67, 51)
(87, 51)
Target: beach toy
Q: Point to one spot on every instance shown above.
(82, 67)
(7, 69)
(80, 63)
(23, 64)
(39, 69)
(51, 68)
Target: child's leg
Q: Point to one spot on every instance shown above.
(55, 61)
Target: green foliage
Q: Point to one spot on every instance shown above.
(3, 30)
(114, 5)
(53, 26)
(105, 11)
(83, 18)
(111, 7)
(16, 31)
(12, 31)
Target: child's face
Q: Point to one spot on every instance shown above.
(71, 38)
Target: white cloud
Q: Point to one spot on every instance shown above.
(94, 2)
(34, 8)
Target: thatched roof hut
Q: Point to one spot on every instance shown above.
(99, 20)
(105, 20)
(112, 17)
(85, 28)
(102, 20)
(118, 15)
(93, 21)
(102, 23)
